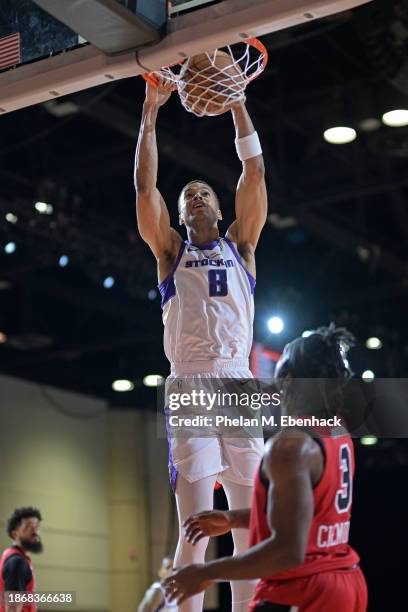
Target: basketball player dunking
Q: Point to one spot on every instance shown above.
(207, 285)
(300, 516)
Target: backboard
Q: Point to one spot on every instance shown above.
(61, 61)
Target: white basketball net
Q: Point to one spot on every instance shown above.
(213, 90)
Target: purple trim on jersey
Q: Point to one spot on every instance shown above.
(205, 247)
(172, 469)
(252, 279)
(167, 287)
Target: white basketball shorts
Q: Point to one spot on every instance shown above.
(219, 450)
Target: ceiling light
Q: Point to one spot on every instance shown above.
(153, 380)
(61, 109)
(340, 135)
(368, 375)
(280, 222)
(371, 124)
(11, 218)
(10, 248)
(63, 261)
(396, 118)
(122, 385)
(44, 208)
(152, 294)
(108, 282)
(275, 325)
(368, 440)
(373, 343)
(363, 253)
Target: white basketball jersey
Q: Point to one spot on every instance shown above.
(208, 305)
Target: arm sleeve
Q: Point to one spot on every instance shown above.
(16, 574)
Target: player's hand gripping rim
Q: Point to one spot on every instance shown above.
(159, 90)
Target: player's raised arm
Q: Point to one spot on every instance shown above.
(251, 198)
(152, 214)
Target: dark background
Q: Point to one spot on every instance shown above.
(334, 247)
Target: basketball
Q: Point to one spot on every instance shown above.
(210, 82)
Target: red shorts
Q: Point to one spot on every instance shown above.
(335, 591)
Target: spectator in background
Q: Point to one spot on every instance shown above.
(16, 569)
(153, 599)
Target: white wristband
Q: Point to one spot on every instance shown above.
(248, 146)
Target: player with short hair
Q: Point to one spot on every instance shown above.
(16, 569)
(300, 516)
(207, 284)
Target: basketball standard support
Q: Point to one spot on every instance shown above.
(108, 25)
(215, 26)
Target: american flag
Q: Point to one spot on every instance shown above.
(9, 50)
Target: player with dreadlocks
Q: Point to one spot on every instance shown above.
(300, 516)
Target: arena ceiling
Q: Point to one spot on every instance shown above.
(334, 247)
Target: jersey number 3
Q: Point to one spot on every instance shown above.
(344, 494)
(217, 281)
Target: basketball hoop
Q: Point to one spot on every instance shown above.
(210, 83)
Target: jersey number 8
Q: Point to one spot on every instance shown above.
(217, 281)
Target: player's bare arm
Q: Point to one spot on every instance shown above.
(13, 607)
(251, 198)
(152, 215)
(292, 464)
(214, 523)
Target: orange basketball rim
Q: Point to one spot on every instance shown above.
(252, 62)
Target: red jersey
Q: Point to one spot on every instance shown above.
(30, 586)
(327, 547)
